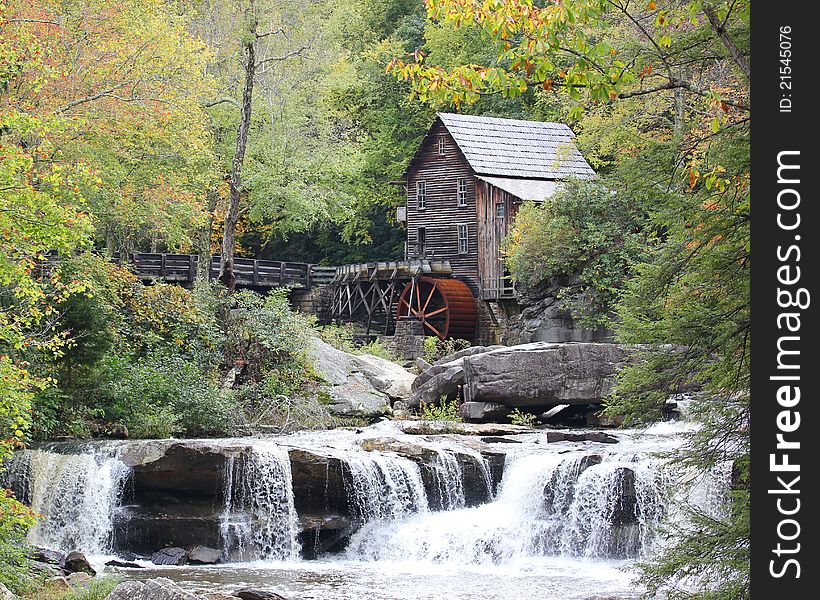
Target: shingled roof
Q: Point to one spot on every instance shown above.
(515, 148)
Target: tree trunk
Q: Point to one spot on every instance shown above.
(226, 271)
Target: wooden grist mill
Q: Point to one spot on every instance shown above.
(380, 294)
(464, 186)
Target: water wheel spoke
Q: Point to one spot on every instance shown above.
(433, 329)
(429, 297)
(435, 312)
(407, 304)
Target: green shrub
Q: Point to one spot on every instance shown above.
(165, 394)
(443, 411)
(519, 417)
(436, 349)
(584, 230)
(377, 348)
(15, 521)
(340, 336)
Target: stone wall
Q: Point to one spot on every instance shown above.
(408, 341)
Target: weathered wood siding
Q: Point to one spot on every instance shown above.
(442, 214)
(492, 228)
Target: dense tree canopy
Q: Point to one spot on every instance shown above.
(150, 124)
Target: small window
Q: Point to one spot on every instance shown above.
(500, 210)
(421, 240)
(463, 239)
(442, 146)
(462, 192)
(421, 195)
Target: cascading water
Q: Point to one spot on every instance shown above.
(547, 504)
(77, 494)
(259, 520)
(565, 516)
(615, 510)
(449, 480)
(384, 487)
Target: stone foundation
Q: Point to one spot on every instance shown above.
(408, 341)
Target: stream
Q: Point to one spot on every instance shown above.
(566, 520)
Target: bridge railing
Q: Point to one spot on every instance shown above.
(250, 272)
(253, 272)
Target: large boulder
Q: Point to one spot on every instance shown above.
(357, 385)
(159, 588)
(444, 383)
(543, 374)
(385, 375)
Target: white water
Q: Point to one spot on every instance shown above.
(77, 495)
(385, 487)
(566, 518)
(259, 519)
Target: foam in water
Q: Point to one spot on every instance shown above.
(77, 495)
(547, 504)
(259, 520)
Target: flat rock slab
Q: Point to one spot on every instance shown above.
(454, 427)
(581, 436)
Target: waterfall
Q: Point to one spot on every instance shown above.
(259, 519)
(615, 509)
(383, 486)
(449, 480)
(77, 494)
(547, 504)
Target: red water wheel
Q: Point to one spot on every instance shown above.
(445, 307)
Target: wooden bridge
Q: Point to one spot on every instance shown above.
(250, 272)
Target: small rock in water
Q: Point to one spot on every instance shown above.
(77, 562)
(204, 555)
(252, 594)
(170, 556)
(123, 564)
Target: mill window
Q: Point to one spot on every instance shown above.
(421, 195)
(463, 239)
(462, 192)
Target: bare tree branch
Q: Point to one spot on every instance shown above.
(224, 100)
(728, 42)
(285, 56)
